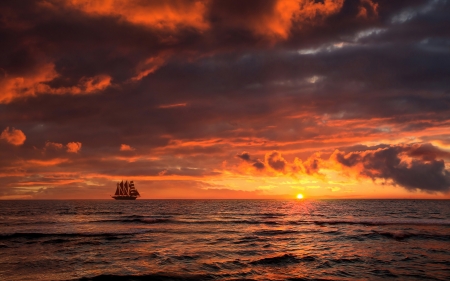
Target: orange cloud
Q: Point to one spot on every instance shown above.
(46, 163)
(275, 164)
(34, 83)
(271, 18)
(172, 105)
(368, 9)
(278, 22)
(52, 145)
(96, 83)
(168, 14)
(26, 85)
(148, 66)
(126, 147)
(86, 85)
(274, 19)
(310, 166)
(312, 12)
(13, 136)
(73, 147)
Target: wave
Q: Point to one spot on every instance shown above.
(56, 241)
(139, 219)
(250, 239)
(407, 235)
(310, 279)
(374, 222)
(275, 232)
(67, 213)
(187, 277)
(385, 273)
(282, 260)
(103, 213)
(17, 223)
(241, 221)
(136, 220)
(152, 220)
(347, 260)
(400, 236)
(38, 235)
(157, 277)
(266, 215)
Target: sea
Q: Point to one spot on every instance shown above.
(225, 240)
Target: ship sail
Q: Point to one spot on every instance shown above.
(126, 191)
(133, 190)
(121, 188)
(117, 190)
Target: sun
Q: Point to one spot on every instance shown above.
(299, 196)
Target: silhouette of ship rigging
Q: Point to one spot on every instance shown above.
(126, 191)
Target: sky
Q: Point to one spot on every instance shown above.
(255, 99)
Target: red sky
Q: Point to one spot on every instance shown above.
(225, 98)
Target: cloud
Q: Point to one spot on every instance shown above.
(149, 66)
(28, 84)
(244, 156)
(310, 166)
(169, 14)
(259, 165)
(272, 19)
(276, 164)
(427, 152)
(255, 164)
(314, 12)
(126, 147)
(414, 167)
(13, 136)
(86, 85)
(368, 9)
(276, 161)
(36, 81)
(92, 84)
(73, 147)
(172, 105)
(53, 145)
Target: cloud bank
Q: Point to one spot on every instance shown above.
(254, 98)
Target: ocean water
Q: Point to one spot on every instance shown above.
(225, 240)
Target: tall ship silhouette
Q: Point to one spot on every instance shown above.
(126, 191)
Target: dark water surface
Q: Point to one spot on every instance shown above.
(225, 240)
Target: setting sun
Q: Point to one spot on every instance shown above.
(299, 196)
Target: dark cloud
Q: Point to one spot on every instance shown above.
(256, 163)
(421, 172)
(259, 165)
(312, 166)
(244, 156)
(276, 161)
(428, 152)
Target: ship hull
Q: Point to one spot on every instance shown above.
(124, 198)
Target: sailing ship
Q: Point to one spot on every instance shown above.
(126, 191)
